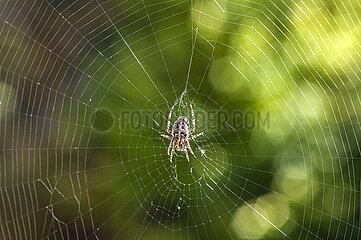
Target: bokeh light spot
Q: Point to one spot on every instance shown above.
(254, 220)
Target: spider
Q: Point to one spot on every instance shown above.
(180, 133)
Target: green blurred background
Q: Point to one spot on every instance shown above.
(72, 166)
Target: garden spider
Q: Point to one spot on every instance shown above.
(180, 133)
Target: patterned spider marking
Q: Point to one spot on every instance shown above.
(180, 133)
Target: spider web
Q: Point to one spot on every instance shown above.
(275, 89)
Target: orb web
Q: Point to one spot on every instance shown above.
(86, 89)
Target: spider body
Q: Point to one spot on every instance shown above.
(180, 134)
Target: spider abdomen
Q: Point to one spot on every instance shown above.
(180, 133)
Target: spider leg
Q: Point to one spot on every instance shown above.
(165, 136)
(171, 153)
(197, 135)
(191, 150)
(186, 153)
(193, 119)
(170, 150)
(203, 152)
(169, 130)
